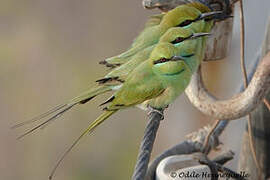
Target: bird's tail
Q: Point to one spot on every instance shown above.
(90, 94)
(89, 129)
(114, 62)
(57, 111)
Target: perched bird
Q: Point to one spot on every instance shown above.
(182, 38)
(155, 83)
(117, 61)
(157, 72)
(179, 17)
(175, 36)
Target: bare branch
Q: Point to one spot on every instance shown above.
(224, 158)
(239, 105)
(166, 5)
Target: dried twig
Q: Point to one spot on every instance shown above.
(239, 105)
(206, 147)
(223, 158)
(166, 5)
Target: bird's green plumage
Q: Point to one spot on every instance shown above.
(172, 34)
(91, 93)
(150, 35)
(154, 71)
(158, 84)
(118, 76)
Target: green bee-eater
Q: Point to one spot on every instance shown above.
(179, 17)
(155, 83)
(182, 38)
(174, 35)
(155, 71)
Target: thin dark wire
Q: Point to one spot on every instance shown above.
(244, 72)
(147, 145)
(223, 123)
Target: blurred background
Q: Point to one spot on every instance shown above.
(49, 52)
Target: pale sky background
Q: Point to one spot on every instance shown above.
(49, 52)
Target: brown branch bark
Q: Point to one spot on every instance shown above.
(239, 105)
(260, 134)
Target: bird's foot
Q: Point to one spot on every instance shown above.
(154, 110)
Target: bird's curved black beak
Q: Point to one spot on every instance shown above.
(177, 58)
(197, 35)
(209, 15)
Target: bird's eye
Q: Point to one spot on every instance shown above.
(181, 39)
(185, 23)
(162, 60)
(178, 40)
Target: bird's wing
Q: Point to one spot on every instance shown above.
(154, 20)
(141, 85)
(151, 22)
(138, 42)
(122, 71)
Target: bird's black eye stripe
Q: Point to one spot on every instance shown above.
(189, 21)
(185, 23)
(162, 60)
(188, 55)
(180, 39)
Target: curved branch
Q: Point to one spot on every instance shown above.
(166, 5)
(239, 105)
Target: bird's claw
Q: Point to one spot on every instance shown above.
(154, 110)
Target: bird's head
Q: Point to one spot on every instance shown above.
(163, 52)
(185, 15)
(178, 35)
(166, 61)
